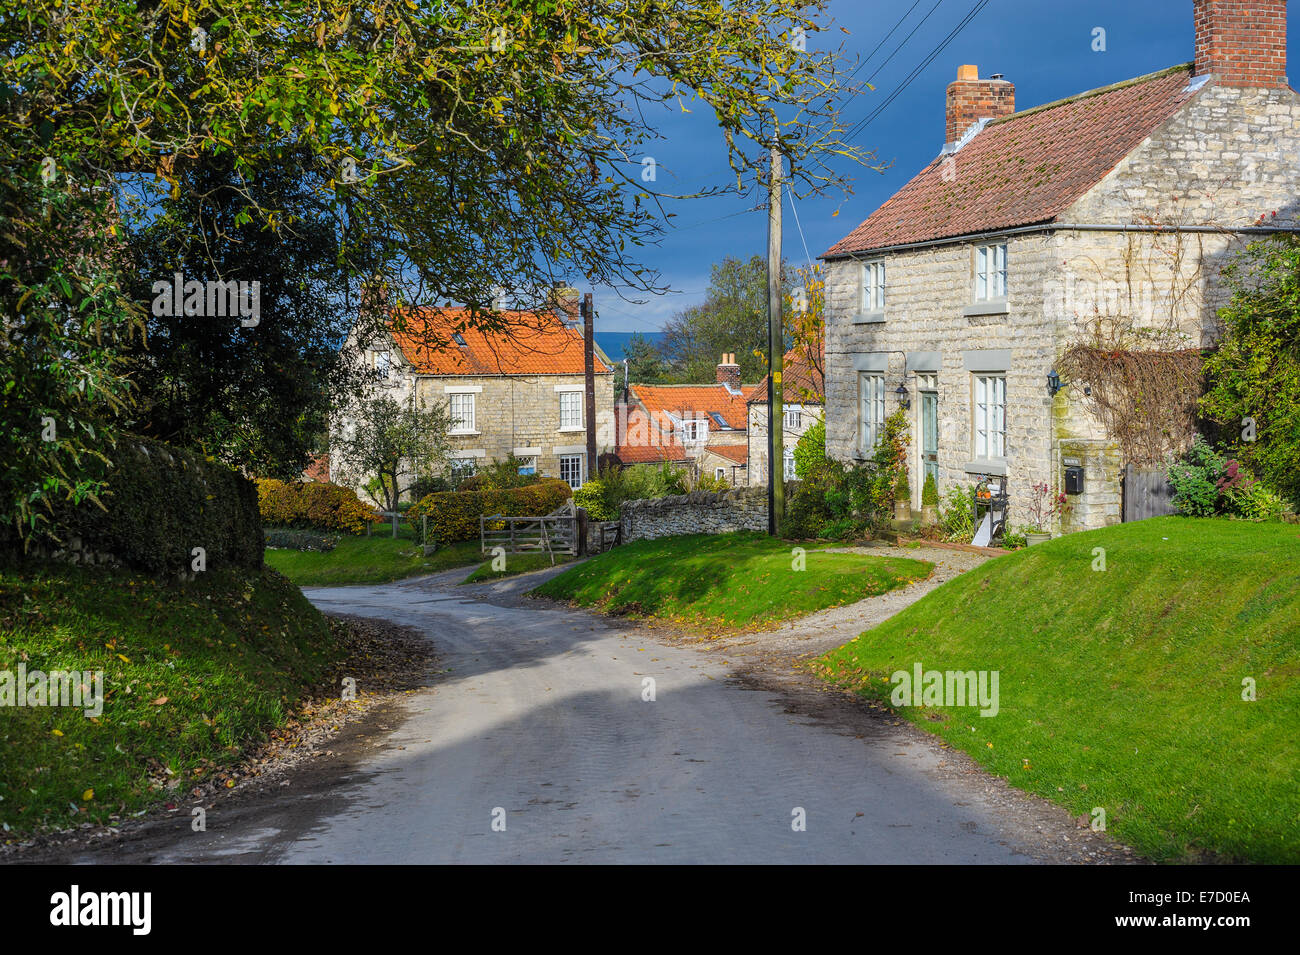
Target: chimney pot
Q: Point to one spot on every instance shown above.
(969, 72)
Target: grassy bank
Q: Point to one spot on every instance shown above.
(1121, 688)
(727, 580)
(376, 559)
(515, 564)
(193, 674)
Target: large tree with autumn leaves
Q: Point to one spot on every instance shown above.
(459, 146)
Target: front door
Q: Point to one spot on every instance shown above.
(930, 434)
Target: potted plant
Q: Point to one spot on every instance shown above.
(902, 498)
(929, 501)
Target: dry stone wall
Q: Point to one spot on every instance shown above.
(700, 512)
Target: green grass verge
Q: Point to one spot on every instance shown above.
(515, 564)
(726, 580)
(1122, 688)
(377, 559)
(193, 673)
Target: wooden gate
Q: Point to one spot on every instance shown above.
(555, 533)
(1147, 493)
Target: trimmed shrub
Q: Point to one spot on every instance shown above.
(1195, 480)
(594, 497)
(454, 515)
(159, 503)
(312, 504)
(929, 492)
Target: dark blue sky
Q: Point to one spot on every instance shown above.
(1044, 47)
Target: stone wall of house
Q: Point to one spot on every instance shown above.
(521, 415)
(926, 329)
(700, 512)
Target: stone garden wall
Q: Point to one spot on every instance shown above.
(700, 512)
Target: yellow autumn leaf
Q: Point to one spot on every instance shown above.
(124, 659)
(88, 795)
(57, 732)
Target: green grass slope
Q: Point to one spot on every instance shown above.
(1122, 688)
(727, 580)
(193, 673)
(377, 559)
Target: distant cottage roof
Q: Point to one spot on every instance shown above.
(803, 381)
(1024, 169)
(701, 401)
(440, 341)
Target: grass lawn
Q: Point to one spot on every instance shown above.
(515, 564)
(1122, 688)
(191, 674)
(376, 559)
(726, 580)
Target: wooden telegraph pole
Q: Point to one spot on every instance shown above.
(589, 371)
(775, 354)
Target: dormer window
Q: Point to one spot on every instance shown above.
(459, 339)
(695, 429)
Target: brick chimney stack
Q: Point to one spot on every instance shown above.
(1242, 42)
(729, 371)
(971, 99)
(565, 303)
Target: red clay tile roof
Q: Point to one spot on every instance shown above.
(1026, 168)
(732, 452)
(638, 442)
(318, 469)
(800, 379)
(531, 343)
(698, 400)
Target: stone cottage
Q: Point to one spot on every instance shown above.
(519, 391)
(802, 406)
(703, 426)
(1105, 217)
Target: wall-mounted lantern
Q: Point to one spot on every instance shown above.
(1053, 383)
(904, 396)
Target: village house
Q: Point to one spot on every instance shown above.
(803, 405)
(521, 393)
(702, 427)
(1103, 217)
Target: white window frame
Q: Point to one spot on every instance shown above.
(566, 460)
(571, 410)
(793, 419)
(990, 412)
(873, 286)
(462, 467)
(720, 474)
(871, 410)
(991, 272)
(383, 364)
(787, 464)
(528, 465)
(695, 430)
(461, 423)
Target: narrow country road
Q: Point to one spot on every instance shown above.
(538, 722)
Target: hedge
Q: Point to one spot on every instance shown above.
(312, 504)
(159, 504)
(453, 515)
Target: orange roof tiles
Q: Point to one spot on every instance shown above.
(1026, 168)
(694, 400)
(527, 343)
(801, 379)
(732, 452)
